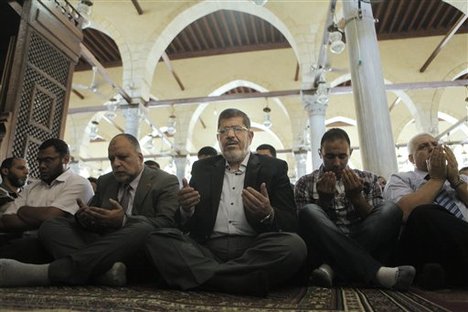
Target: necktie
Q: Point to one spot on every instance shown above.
(125, 199)
(445, 200)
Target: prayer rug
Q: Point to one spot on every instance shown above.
(95, 298)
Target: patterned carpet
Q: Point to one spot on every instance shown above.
(94, 298)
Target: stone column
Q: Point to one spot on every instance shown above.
(132, 120)
(373, 117)
(180, 162)
(316, 113)
(301, 163)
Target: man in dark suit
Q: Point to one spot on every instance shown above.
(129, 203)
(239, 213)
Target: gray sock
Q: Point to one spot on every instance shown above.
(399, 278)
(15, 273)
(116, 276)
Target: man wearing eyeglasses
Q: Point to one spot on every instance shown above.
(434, 201)
(237, 215)
(345, 222)
(54, 195)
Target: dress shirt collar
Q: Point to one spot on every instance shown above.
(242, 167)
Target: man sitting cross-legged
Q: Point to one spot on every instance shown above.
(105, 233)
(345, 221)
(238, 212)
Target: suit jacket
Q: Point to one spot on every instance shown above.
(155, 197)
(207, 179)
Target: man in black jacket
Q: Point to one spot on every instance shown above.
(239, 213)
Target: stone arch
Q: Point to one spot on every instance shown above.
(104, 25)
(221, 90)
(451, 75)
(160, 41)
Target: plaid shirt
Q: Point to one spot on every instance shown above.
(341, 211)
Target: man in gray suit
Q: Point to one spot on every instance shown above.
(239, 213)
(129, 203)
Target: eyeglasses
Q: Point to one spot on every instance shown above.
(237, 130)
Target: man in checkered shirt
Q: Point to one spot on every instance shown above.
(345, 221)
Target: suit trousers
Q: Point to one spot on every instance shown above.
(434, 235)
(81, 255)
(186, 264)
(351, 256)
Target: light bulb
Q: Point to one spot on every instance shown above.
(267, 121)
(171, 124)
(337, 45)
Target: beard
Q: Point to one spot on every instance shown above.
(234, 156)
(15, 181)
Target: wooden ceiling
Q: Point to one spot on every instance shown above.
(225, 31)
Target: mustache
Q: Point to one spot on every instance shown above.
(231, 142)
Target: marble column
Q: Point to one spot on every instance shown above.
(132, 120)
(316, 114)
(373, 117)
(301, 163)
(180, 163)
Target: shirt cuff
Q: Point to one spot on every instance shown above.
(186, 214)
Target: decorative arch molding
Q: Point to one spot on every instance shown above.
(105, 26)
(223, 89)
(399, 93)
(461, 5)
(342, 119)
(451, 75)
(158, 42)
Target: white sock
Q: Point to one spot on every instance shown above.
(15, 273)
(387, 276)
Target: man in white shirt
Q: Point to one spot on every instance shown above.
(434, 201)
(54, 195)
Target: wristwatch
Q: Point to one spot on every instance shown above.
(457, 184)
(267, 218)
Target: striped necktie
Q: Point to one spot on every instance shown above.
(445, 200)
(125, 199)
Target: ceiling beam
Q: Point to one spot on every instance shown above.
(78, 94)
(167, 61)
(273, 94)
(137, 7)
(444, 41)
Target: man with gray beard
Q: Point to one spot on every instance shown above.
(237, 216)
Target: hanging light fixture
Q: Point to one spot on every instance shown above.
(93, 130)
(267, 118)
(171, 123)
(322, 92)
(84, 8)
(335, 39)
